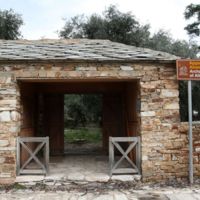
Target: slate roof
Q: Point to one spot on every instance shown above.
(75, 50)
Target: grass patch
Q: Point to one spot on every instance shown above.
(89, 135)
(15, 186)
(18, 186)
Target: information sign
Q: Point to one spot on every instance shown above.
(188, 69)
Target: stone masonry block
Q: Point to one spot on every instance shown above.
(15, 116)
(5, 116)
(171, 106)
(4, 143)
(5, 77)
(2, 160)
(126, 68)
(148, 114)
(86, 68)
(169, 93)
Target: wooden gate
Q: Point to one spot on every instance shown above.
(134, 142)
(40, 143)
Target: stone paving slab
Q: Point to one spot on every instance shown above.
(77, 176)
(35, 178)
(183, 196)
(156, 194)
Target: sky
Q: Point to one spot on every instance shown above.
(44, 18)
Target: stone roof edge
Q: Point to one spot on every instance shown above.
(27, 61)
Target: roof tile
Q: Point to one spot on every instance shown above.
(77, 49)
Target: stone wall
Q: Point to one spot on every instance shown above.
(9, 125)
(196, 146)
(159, 125)
(160, 136)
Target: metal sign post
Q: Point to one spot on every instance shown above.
(189, 70)
(190, 132)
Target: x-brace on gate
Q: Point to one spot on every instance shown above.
(43, 144)
(134, 142)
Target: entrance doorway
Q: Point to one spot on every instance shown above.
(43, 105)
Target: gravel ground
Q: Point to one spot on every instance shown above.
(113, 190)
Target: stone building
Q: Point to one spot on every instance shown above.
(138, 84)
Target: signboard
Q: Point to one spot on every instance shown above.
(188, 69)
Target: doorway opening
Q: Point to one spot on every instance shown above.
(45, 108)
(83, 124)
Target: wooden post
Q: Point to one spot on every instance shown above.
(18, 156)
(47, 155)
(138, 155)
(111, 155)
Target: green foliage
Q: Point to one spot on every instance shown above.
(184, 49)
(89, 135)
(18, 186)
(119, 26)
(162, 41)
(196, 99)
(95, 27)
(113, 25)
(73, 28)
(123, 27)
(15, 186)
(193, 11)
(184, 100)
(10, 23)
(141, 36)
(82, 109)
